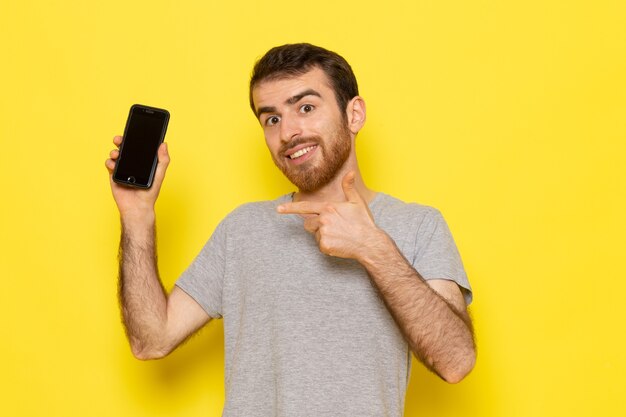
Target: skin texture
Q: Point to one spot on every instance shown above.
(299, 113)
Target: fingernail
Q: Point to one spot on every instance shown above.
(280, 208)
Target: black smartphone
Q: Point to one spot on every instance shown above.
(144, 132)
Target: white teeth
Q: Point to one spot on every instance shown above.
(300, 152)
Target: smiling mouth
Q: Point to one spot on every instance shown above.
(301, 152)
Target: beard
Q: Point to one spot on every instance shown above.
(308, 176)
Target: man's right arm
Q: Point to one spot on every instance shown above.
(155, 322)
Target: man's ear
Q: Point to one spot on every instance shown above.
(356, 114)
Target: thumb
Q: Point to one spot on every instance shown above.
(347, 184)
(163, 157)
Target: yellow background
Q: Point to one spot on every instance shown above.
(507, 116)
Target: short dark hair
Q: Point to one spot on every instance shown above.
(296, 59)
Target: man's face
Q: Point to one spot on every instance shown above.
(305, 131)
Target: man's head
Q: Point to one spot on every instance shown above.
(307, 102)
(292, 60)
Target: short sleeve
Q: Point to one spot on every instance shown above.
(203, 280)
(437, 254)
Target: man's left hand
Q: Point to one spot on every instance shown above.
(343, 229)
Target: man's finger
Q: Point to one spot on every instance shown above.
(348, 188)
(312, 224)
(110, 164)
(301, 207)
(163, 161)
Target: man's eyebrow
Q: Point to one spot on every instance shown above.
(298, 97)
(289, 101)
(262, 110)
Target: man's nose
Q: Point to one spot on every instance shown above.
(289, 129)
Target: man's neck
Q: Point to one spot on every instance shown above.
(333, 191)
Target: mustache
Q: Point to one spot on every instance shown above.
(298, 141)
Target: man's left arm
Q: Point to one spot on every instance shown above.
(432, 314)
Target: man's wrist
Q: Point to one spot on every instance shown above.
(137, 219)
(376, 249)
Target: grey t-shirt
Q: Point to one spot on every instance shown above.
(305, 333)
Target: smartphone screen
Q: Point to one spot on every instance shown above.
(144, 132)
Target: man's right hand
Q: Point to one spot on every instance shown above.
(137, 201)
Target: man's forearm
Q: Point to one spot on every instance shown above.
(439, 334)
(142, 297)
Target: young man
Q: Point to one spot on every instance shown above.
(324, 292)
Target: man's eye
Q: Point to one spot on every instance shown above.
(306, 108)
(272, 120)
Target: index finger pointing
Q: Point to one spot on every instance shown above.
(301, 207)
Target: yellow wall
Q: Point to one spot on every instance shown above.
(507, 116)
